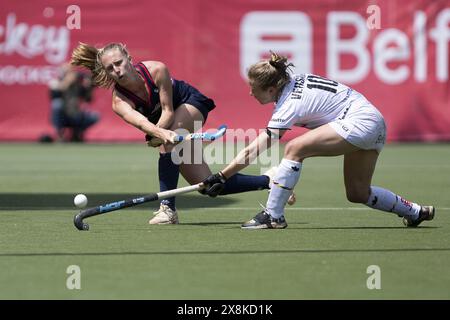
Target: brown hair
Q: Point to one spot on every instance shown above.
(273, 72)
(89, 57)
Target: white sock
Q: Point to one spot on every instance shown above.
(283, 184)
(385, 200)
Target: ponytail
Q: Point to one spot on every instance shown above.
(89, 57)
(274, 72)
(280, 63)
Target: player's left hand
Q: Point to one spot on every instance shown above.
(214, 184)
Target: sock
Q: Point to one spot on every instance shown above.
(242, 183)
(386, 200)
(168, 177)
(284, 182)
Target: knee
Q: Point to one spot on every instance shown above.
(294, 151)
(358, 195)
(88, 119)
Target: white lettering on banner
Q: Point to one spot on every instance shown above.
(32, 40)
(259, 31)
(420, 47)
(279, 31)
(384, 53)
(441, 35)
(355, 46)
(10, 75)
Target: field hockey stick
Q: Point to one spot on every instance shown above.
(204, 136)
(78, 219)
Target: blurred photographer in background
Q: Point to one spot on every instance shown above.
(70, 93)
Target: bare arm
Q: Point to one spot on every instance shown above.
(251, 152)
(125, 110)
(161, 76)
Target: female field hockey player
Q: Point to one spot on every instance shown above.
(146, 97)
(342, 122)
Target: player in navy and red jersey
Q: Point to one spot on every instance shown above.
(341, 122)
(145, 96)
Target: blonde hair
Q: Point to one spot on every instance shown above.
(273, 72)
(89, 57)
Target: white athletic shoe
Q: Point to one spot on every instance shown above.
(164, 215)
(271, 173)
(426, 213)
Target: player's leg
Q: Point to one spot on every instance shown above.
(197, 172)
(185, 117)
(323, 141)
(193, 169)
(358, 170)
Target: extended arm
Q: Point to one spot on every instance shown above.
(215, 182)
(247, 155)
(124, 109)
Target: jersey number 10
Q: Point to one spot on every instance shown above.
(321, 83)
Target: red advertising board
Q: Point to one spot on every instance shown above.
(394, 52)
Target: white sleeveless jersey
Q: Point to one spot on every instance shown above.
(310, 101)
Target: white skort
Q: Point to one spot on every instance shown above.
(362, 125)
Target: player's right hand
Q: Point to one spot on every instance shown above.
(214, 184)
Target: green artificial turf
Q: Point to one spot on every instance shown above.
(323, 254)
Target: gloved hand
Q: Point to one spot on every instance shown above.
(214, 184)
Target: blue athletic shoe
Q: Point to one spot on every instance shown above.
(426, 213)
(264, 221)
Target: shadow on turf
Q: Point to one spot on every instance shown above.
(64, 201)
(244, 252)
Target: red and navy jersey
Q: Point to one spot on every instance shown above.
(150, 109)
(182, 92)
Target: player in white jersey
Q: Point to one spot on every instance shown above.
(342, 122)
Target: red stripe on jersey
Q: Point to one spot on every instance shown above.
(130, 95)
(149, 83)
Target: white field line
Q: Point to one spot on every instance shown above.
(300, 208)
